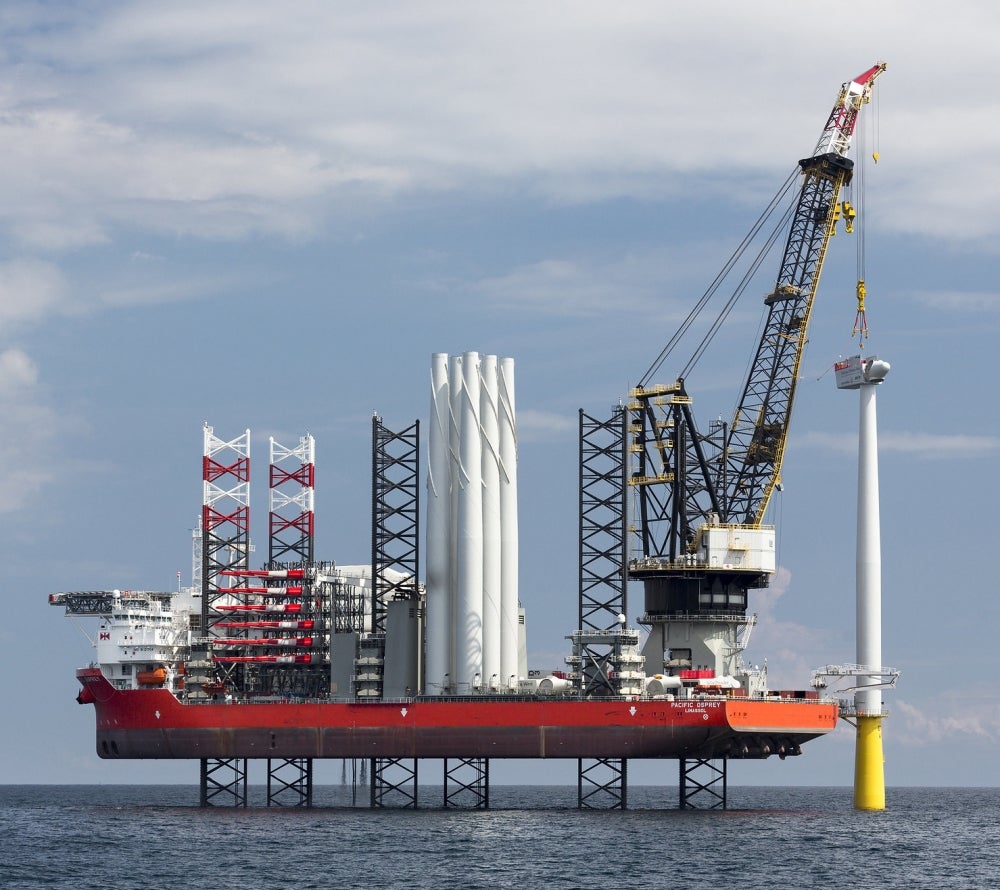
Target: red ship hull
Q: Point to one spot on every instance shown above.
(153, 723)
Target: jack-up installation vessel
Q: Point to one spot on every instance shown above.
(304, 659)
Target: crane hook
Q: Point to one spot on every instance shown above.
(861, 319)
(849, 214)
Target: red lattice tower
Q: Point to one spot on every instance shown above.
(292, 519)
(225, 522)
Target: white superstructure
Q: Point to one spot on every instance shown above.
(143, 637)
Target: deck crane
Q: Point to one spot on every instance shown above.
(699, 542)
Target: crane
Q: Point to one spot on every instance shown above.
(699, 541)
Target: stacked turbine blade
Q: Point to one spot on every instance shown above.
(472, 600)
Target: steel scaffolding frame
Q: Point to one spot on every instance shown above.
(393, 782)
(602, 784)
(224, 782)
(344, 605)
(291, 527)
(702, 784)
(225, 519)
(467, 783)
(292, 481)
(395, 517)
(602, 594)
(289, 782)
(225, 523)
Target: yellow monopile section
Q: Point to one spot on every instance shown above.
(869, 765)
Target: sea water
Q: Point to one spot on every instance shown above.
(156, 836)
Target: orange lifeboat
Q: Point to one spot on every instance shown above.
(156, 677)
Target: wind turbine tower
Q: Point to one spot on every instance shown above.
(865, 375)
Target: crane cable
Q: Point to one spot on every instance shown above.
(861, 317)
(710, 292)
(740, 289)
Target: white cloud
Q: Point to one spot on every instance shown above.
(930, 445)
(959, 301)
(793, 650)
(160, 287)
(654, 285)
(534, 425)
(947, 718)
(557, 287)
(72, 176)
(30, 290)
(239, 119)
(33, 291)
(924, 446)
(30, 426)
(17, 373)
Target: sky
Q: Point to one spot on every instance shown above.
(270, 219)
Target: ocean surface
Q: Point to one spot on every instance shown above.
(156, 836)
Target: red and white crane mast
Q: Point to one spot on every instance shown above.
(843, 119)
(700, 500)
